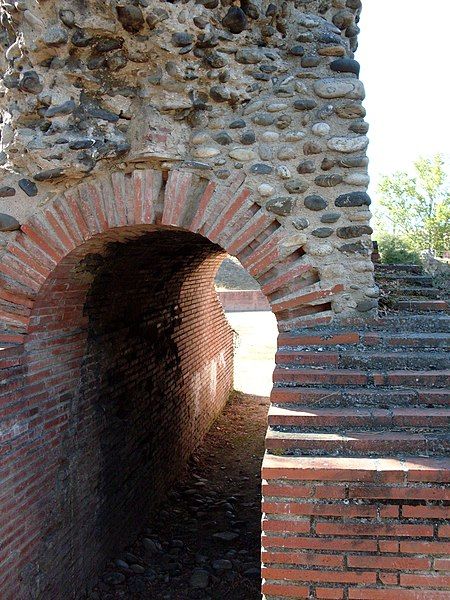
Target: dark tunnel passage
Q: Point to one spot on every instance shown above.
(137, 359)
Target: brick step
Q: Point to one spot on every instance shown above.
(331, 339)
(311, 376)
(399, 280)
(304, 469)
(417, 340)
(357, 360)
(303, 417)
(363, 443)
(415, 323)
(314, 397)
(416, 292)
(395, 269)
(421, 305)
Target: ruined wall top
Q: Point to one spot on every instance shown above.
(270, 89)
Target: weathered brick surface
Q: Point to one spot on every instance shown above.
(370, 540)
(376, 526)
(126, 359)
(122, 378)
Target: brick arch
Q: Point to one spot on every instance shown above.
(224, 213)
(46, 347)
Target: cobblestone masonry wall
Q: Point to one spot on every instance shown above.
(140, 139)
(269, 92)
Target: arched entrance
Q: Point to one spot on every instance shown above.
(125, 355)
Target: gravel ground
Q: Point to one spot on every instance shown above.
(204, 543)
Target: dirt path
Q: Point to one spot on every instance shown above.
(205, 542)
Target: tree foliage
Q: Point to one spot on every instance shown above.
(417, 207)
(394, 251)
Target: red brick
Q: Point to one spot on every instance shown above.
(319, 575)
(335, 468)
(254, 227)
(306, 558)
(286, 591)
(422, 547)
(429, 469)
(389, 578)
(226, 215)
(352, 337)
(203, 204)
(399, 493)
(286, 526)
(287, 491)
(307, 298)
(444, 531)
(316, 543)
(426, 512)
(175, 197)
(390, 562)
(389, 512)
(395, 594)
(285, 278)
(374, 530)
(442, 564)
(388, 546)
(323, 510)
(329, 593)
(314, 376)
(426, 581)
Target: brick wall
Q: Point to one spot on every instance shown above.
(355, 529)
(243, 300)
(356, 473)
(129, 359)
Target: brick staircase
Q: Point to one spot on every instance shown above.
(409, 289)
(358, 406)
(368, 393)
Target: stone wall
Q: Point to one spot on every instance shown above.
(266, 90)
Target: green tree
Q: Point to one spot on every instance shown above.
(417, 207)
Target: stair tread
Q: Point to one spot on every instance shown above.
(336, 371)
(363, 391)
(357, 411)
(419, 301)
(421, 304)
(343, 358)
(350, 418)
(411, 352)
(366, 341)
(275, 466)
(391, 276)
(359, 397)
(354, 435)
(421, 289)
(350, 442)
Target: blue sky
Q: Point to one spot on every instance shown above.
(404, 56)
